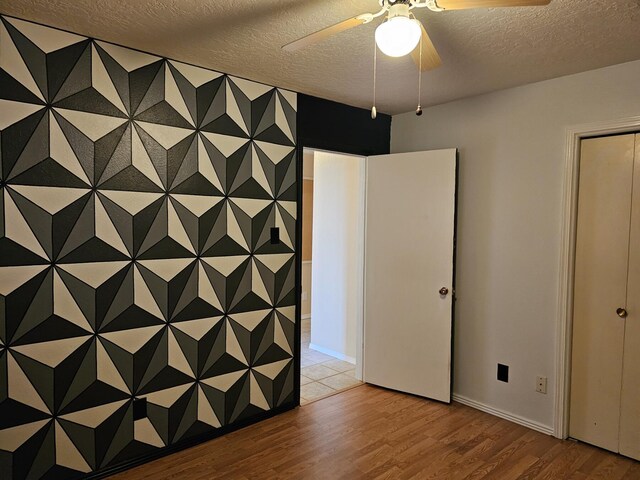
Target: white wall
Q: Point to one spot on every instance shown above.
(512, 147)
(337, 252)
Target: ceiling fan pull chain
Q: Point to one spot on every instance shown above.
(374, 112)
(419, 109)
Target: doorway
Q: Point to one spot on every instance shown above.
(605, 367)
(332, 273)
(382, 254)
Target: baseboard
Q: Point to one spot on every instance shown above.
(338, 355)
(502, 414)
(306, 316)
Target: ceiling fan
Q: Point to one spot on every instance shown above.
(400, 34)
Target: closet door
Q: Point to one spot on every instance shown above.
(600, 288)
(630, 405)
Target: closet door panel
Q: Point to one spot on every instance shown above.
(630, 404)
(604, 204)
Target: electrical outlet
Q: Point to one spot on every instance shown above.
(139, 408)
(503, 373)
(541, 384)
(275, 235)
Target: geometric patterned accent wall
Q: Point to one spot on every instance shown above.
(137, 197)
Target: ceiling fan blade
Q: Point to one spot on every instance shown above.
(324, 33)
(430, 57)
(465, 4)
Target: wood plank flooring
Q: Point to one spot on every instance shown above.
(373, 433)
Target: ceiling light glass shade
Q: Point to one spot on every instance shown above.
(398, 36)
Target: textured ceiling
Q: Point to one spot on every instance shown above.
(482, 50)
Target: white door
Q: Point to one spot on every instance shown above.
(409, 245)
(630, 403)
(600, 287)
(605, 371)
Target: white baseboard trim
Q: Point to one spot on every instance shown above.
(306, 316)
(332, 353)
(502, 414)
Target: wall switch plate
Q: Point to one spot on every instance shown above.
(541, 384)
(275, 235)
(139, 408)
(305, 296)
(503, 373)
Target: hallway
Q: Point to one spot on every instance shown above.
(322, 375)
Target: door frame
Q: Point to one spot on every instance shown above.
(564, 328)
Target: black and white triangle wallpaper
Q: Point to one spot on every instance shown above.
(137, 197)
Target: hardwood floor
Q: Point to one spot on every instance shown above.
(372, 433)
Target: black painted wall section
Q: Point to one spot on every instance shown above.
(328, 125)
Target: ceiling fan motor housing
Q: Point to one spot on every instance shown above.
(391, 3)
(398, 10)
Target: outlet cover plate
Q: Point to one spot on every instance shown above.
(503, 373)
(541, 384)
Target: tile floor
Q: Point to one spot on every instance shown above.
(322, 375)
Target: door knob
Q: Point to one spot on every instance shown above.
(622, 313)
(443, 291)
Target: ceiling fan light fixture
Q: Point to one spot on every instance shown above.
(398, 36)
